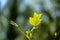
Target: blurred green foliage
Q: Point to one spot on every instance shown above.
(46, 30)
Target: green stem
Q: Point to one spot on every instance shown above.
(33, 29)
(13, 23)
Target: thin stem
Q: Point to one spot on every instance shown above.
(13, 23)
(33, 29)
(21, 31)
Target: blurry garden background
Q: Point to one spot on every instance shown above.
(19, 11)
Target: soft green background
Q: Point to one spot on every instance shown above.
(19, 11)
